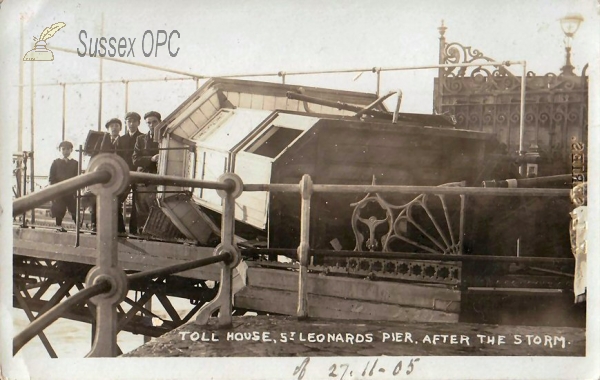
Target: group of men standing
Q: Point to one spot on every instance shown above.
(141, 153)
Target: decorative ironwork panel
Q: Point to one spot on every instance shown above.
(427, 223)
(488, 99)
(397, 269)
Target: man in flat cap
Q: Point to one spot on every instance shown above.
(132, 121)
(145, 157)
(62, 169)
(112, 143)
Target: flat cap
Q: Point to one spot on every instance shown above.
(133, 115)
(113, 120)
(152, 113)
(66, 144)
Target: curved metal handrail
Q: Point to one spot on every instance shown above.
(176, 268)
(170, 180)
(70, 185)
(113, 173)
(45, 320)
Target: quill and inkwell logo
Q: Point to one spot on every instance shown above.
(40, 52)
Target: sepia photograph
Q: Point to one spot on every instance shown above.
(299, 190)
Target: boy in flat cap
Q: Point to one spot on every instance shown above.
(132, 121)
(145, 157)
(62, 169)
(112, 143)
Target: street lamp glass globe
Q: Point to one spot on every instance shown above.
(570, 23)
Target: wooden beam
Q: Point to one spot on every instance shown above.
(285, 302)
(357, 289)
(137, 255)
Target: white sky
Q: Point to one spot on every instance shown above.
(219, 38)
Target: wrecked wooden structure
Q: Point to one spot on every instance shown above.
(274, 134)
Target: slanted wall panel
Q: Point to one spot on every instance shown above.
(252, 207)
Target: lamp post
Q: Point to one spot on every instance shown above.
(569, 24)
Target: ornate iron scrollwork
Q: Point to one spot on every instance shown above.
(441, 236)
(428, 223)
(486, 99)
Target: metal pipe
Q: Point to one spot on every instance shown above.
(356, 70)
(101, 74)
(107, 257)
(32, 135)
(38, 198)
(292, 253)
(165, 79)
(46, 319)
(309, 72)
(225, 295)
(414, 118)
(351, 189)
(21, 80)
(441, 257)
(536, 182)
(78, 200)
(304, 247)
(168, 148)
(522, 113)
(461, 225)
(167, 180)
(397, 109)
(378, 101)
(176, 268)
(25, 156)
(192, 75)
(64, 111)
(126, 96)
(32, 183)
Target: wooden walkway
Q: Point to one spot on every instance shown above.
(279, 336)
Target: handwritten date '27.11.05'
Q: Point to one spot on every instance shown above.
(345, 371)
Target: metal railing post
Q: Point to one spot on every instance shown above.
(126, 95)
(25, 156)
(78, 200)
(306, 190)
(224, 299)
(377, 70)
(107, 264)
(32, 182)
(64, 111)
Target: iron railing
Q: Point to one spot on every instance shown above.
(108, 284)
(20, 173)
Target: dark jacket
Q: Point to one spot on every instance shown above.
(145, 148)
(61, 170)
(106, 146)
(128, 141)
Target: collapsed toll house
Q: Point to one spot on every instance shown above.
(413, 245)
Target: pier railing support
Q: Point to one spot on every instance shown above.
(224, 299)
(304, 247)
(107, 263)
